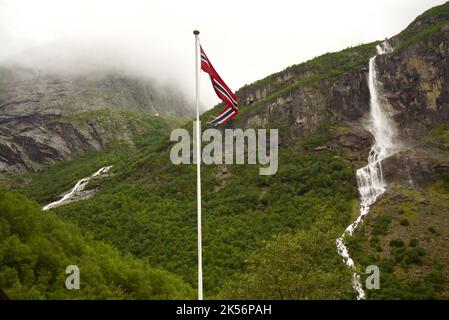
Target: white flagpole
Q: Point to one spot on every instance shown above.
(198, 169)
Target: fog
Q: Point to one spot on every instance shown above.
(245, 40)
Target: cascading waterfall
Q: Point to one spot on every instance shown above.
(74, 192)
(370, 178)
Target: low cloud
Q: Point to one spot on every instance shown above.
(246, 40)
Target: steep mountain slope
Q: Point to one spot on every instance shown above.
(254, 224)
(147, 208)
(148, 200)
(36, 248)
(406, 233)
(37, 109)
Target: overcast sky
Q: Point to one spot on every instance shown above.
(245, 40)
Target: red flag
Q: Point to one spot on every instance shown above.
(222, 91)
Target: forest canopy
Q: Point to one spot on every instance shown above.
(36, 247)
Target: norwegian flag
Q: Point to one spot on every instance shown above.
(222, 91)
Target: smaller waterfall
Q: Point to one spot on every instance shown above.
(73, 194)
(370, 179)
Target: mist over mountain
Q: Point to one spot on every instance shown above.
(42, 88)
(154, 38)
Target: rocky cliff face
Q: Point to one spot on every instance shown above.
(35, 111)
(332, 90)
(415, 79)
(303, 111)
(301, 99)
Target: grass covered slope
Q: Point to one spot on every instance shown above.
(428, 24)
(136, 125)
(36, 248)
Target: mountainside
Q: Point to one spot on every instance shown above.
(274, 237)
(37, 109)
(332, 89)
(406, 232)
(304, 97)
(36, 248)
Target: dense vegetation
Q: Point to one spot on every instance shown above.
(295, 266)
(146, 130)
(36, 247)
(47, 185)
(148, 207)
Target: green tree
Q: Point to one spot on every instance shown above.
(295, 266)
(37, 246)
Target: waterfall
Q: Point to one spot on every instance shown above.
(73, 194)
(370, 181)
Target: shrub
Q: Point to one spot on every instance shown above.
(413, 243)
(409, 256)
(398, 243)
(446, 181)
(380, 225)
(432, 230)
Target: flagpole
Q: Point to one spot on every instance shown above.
(198, 170)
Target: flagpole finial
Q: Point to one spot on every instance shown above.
(196, 32)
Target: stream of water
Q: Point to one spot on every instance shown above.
(74, 193)
(370, 181)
